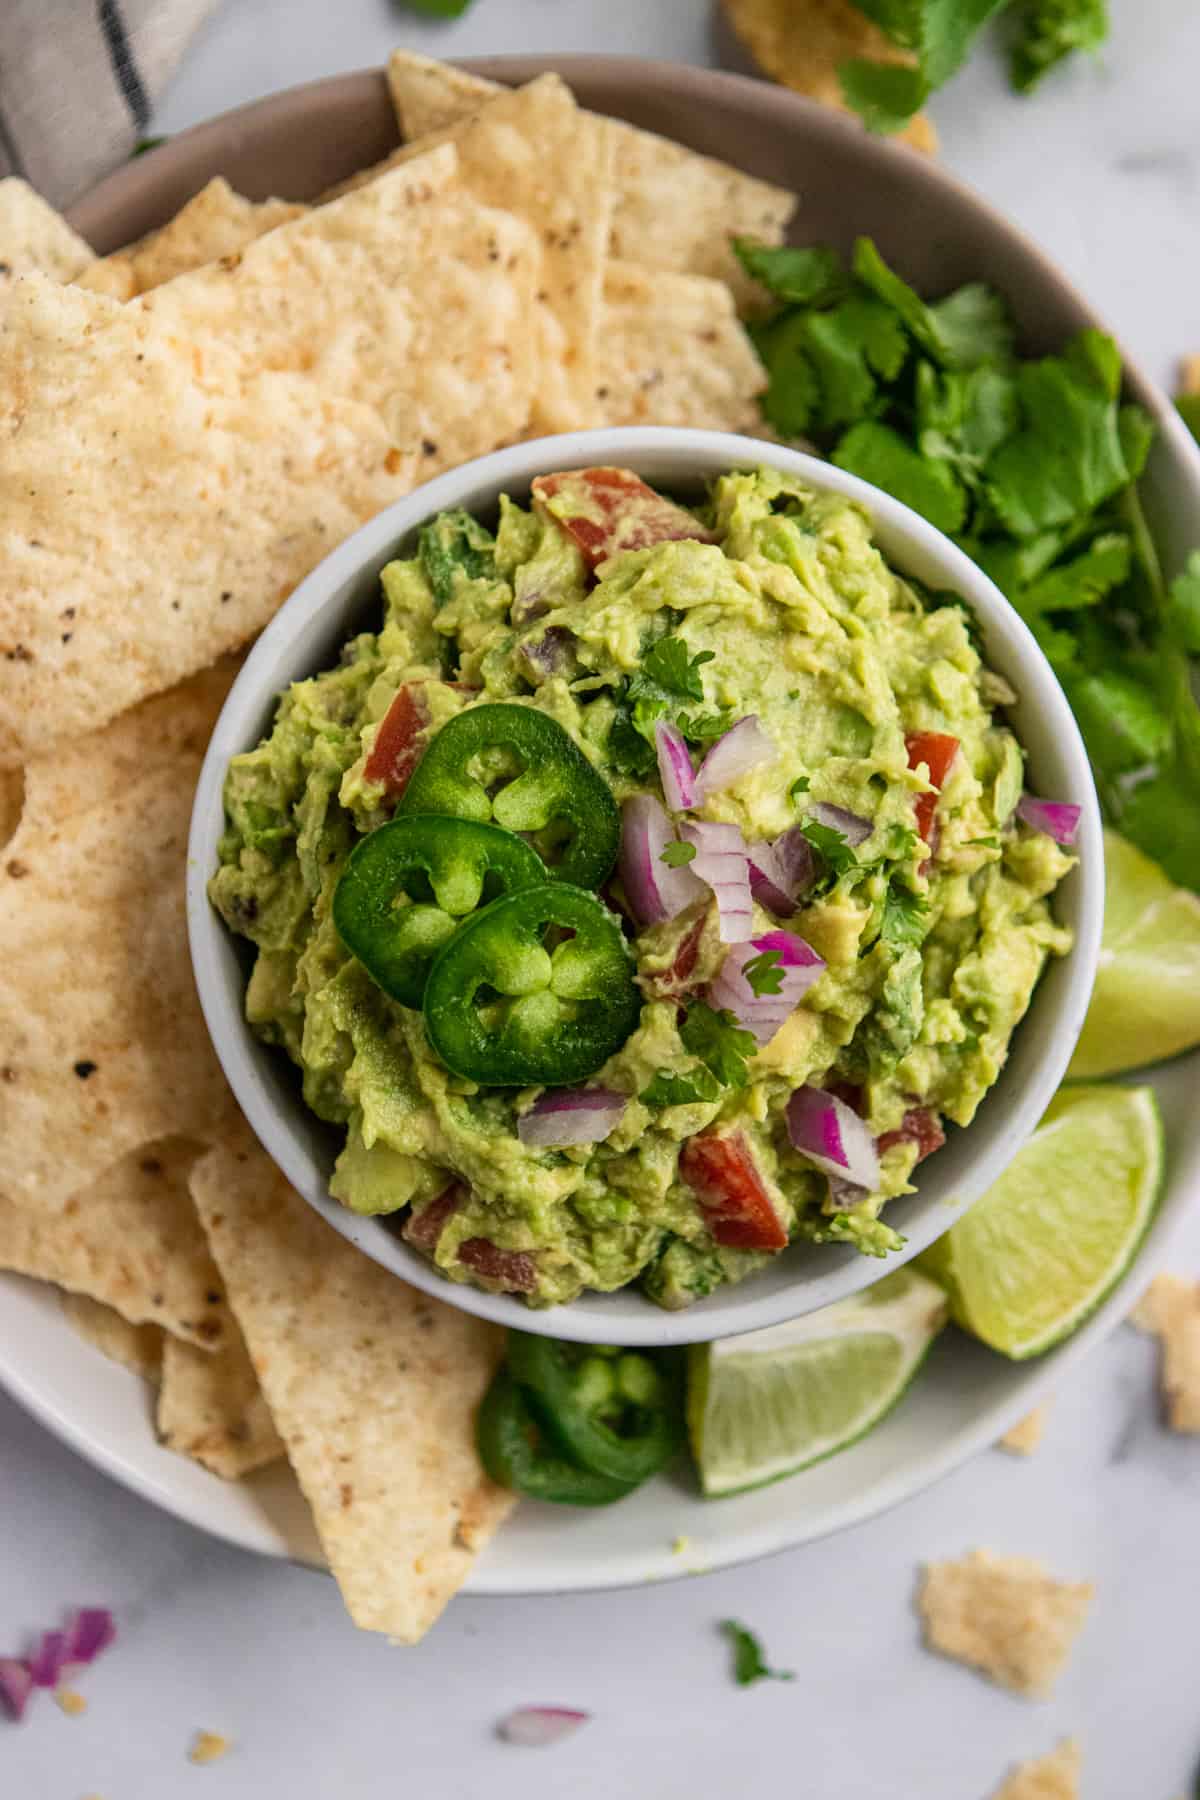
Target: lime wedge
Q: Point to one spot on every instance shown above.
(1146, 1002)
(1044, 1245)
(770, 1403)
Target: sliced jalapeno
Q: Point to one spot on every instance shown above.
(515, 1454)
(504, 1009)
(619, 1417)
(516, 767)
(408, 885)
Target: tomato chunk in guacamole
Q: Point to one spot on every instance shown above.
(740, 922)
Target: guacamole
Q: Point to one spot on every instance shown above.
(825, 917)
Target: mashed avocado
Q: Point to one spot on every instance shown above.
(781, 607)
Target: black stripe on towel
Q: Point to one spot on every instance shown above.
(121, 57)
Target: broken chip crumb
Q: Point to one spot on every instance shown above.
(1170, 1311)
(1190, 375)
(1023, 1438)
(1052, 1777)
(1004, 1615)
(208, 1747)
(72, 1704)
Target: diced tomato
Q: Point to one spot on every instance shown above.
(513, 1270)
(720, 1170)
(609, 510)
(937, 750)
(422, 1230)
(397, 748)
(919, 1126)
(670, 983)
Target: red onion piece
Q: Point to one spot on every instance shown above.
(832, 1137)
(744, 747)
(566, 1116)
(533, 1727)
(89, 1631)
(674, 767)
(1058, 818)
(845, 1195)
(721, 862)
(762, 1014)
(49, 1659)
(782, 871)
(551, 654)
(654, 890)
(16, 1685)
(854, 829)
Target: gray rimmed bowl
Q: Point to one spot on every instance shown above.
(342, 593)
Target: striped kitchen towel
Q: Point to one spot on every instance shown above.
(78, 80)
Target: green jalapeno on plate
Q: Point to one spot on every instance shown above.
(514, 1453)
(615, 1413)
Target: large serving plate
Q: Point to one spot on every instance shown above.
(296, 144)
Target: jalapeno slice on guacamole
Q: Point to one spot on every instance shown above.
(650, 891)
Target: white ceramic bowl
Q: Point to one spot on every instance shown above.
(307, 634)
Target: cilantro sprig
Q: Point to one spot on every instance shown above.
(719, 1042)
(764, 973)
(669, 676)
(749, 1663)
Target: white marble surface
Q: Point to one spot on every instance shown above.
(1105, 171)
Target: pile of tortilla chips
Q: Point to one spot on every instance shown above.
(186, 428)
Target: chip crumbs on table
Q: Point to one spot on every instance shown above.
(209, 1747)
(1005, 1616)
(1051, 1777)
(1023, 1438)
(1170, 1311)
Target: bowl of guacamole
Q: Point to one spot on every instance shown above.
(645, 885)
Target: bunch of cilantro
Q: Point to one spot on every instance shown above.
(940, 34)
(1031, 465)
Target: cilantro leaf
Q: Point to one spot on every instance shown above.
(800, 786)
(793, 392)
(764, 972)
(880, 455)
(884, 95)
(719, 1042)
(963, 416)
(626, 747)
(702, 728)
(832, 846)
(806, 277)
(1183, 607)
(1052, 30)
(668, 664)
(905, 918)
(453, 545)
(1067, 457)
(666, 1089)
(940, 32)
(848, 348)
(969, 327)
(748, 1663)
(677, 853)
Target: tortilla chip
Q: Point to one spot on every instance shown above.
(172, 467)
(674, 353)
(532, 151)
(210, 1407)
(215, 222)
(1190, 375)
(12, 802)
(1005, 1616)
(34, 237)
(373, 1388)
(1023, 1438)
(102, 1044)
(135, 1347)
(131, 1240)
(802, 43)
(1053, 1777)
(673, 209)
(1170, 1309)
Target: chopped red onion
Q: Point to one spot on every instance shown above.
(762, 1014)
(844, 1195)
(674, 767)
(566, 1116)
(16, 1685)
(89, 1631)
(835, 818)
(833, 1137)
(741, 749)
(721, 862)
(551, 654)
(49, 1659)
(1058, 818)
(654, 890)
(780, 872)
(533, 1727)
